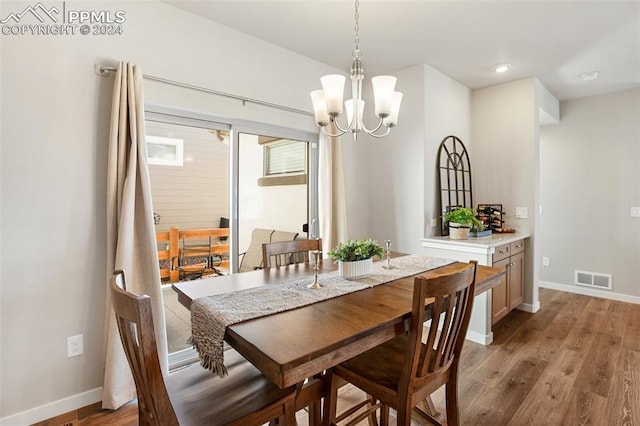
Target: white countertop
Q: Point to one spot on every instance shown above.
(492, 240)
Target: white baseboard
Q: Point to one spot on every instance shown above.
(586, 291)
(474, 336)
(528, 307)
(53, 409)
(483, 339)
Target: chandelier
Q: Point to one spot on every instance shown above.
(327, 103)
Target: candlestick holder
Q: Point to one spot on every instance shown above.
(315, 284)
(387, 264)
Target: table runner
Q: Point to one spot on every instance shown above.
(211, 315)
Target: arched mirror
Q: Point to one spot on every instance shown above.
(454, 178)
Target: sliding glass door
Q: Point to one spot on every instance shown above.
(274, 191)
(208, 173)
(273, 194)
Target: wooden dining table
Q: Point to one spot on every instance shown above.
(291, 346)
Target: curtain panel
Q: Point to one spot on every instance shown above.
(332, 204)
(131, 243)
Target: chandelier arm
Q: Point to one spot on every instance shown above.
(371, 132)
(331, 135)
(345, 130)
(380, 135)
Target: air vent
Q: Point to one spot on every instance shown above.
(593, 279)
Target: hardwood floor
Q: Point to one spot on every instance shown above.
(575, 362)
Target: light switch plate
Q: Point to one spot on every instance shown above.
(635, 211)
(522, 213)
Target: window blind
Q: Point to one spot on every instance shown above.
(285, 158)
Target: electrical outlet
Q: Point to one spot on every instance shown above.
(434, 223)
(635, 211)
(545, 261)
(75, 346)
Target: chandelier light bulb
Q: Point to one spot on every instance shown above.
(392, 119)
(383, 87)
(320, 108)
(349, 107)
(333, 87)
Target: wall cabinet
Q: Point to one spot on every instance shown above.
(509, 294)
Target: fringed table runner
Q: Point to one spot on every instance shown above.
(211, 315)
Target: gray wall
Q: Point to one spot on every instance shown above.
(55, 123)
(504, 131)
(403, 165)
(589, 179)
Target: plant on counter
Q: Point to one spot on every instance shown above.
(354, 250)
(465, 217)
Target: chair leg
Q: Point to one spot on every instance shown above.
(452, 402)
(404, 413)
(431, 408)
(331, 398)
(290, 413)
(373, 420)
(315, 414)
(384, 415)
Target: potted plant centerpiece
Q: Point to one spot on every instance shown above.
(460, 221)
(355, 257)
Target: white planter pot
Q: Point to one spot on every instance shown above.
(458, 232)
(355, 270)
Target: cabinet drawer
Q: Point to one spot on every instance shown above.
(517, 247)
(502, 252)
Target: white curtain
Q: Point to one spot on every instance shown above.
(131, 244)
(331, 194)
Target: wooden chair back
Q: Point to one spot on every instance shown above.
(450, 315)
(289, 252)
(193, 395)
(135, 324)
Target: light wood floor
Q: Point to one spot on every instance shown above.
(575, 362)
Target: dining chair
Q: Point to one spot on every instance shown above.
(289, 252)
(192, 395)
(403, 372)
(282, 253)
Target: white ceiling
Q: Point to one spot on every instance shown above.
(555, 41)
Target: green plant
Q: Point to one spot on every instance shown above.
(353, 250)
(464, 216)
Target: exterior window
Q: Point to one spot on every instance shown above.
(285, 163)
(165, 151)
(285, 157)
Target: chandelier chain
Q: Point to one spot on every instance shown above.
(356, 29)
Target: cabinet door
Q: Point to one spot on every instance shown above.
(515, 280)
(499, 295)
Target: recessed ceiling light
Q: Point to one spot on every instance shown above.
(500, 68)
(588, 76)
